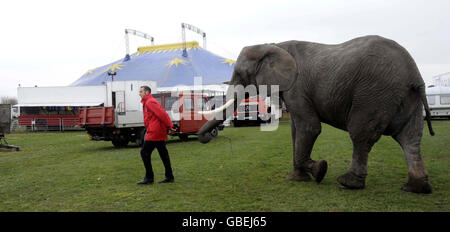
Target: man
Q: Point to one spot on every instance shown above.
(157, 122)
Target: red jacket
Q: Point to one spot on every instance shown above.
(156, 119)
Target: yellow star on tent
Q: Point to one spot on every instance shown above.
(175, 62)
(113, 67)
(228, 61)
(89, 71)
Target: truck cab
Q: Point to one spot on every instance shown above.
(183, 110)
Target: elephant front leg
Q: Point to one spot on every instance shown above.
(299, 173)
(304, 134)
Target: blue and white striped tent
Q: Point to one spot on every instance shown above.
(166, 65)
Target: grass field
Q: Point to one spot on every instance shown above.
(242, 170)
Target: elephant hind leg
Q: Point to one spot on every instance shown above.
(409, 139)
(355, 178)
(365, 130)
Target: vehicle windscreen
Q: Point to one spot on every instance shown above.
(171, 103)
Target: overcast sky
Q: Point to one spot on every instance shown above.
(53, 43)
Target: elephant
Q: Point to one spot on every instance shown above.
(368, 86)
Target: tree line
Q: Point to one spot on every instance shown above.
(8, 100)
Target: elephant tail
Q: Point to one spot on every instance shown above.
(427, 109)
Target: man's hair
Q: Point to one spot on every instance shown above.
(146, 88)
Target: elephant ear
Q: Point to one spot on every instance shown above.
(274, 66)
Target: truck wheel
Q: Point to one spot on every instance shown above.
(125, 142)
(116, 143)
(215, 132)
(120, 143)
(183, 137)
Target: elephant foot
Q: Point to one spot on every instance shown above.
(352, 181)
(299, 176)
(417, 185)
(319, 169)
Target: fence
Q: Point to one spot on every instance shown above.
(47, 124)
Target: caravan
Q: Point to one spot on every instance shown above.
(439, 101)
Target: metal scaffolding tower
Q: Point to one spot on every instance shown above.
(194, 29)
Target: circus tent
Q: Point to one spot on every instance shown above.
(170, 65)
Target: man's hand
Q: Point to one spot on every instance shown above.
(171, 131)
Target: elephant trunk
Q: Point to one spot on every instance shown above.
(221, 114)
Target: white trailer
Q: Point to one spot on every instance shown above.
(124, 97)
(61, 96)
(439, 101)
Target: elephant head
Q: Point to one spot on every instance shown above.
(257, 65)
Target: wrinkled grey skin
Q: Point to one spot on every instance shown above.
(369, 86)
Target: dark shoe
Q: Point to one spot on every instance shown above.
(166, 181)
(145, 181)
